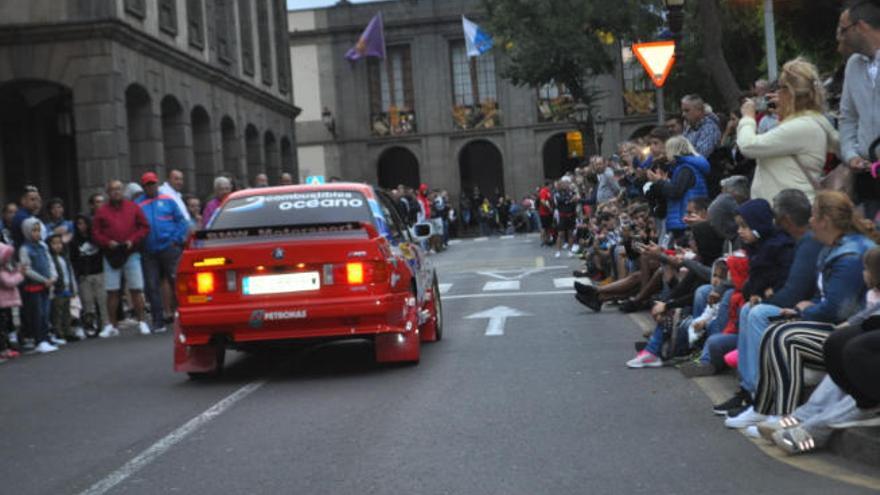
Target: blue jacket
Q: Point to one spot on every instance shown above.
(679, 193)
(801, 282)
(167, 224)
(843, 286)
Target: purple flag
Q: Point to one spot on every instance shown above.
(371, 43)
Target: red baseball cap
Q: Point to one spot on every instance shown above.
(149, 178)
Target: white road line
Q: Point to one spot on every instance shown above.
(501, 285)
(568, 282)
(444, 288)
(481, 239)
(453, 242)
(509, 294)
(506, 237)
(162, 446)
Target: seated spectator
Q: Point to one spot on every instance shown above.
(787, 347)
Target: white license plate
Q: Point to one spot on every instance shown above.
(279, 284)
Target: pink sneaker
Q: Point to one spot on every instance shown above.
(644, 359)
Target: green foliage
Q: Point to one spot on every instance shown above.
(563, 41)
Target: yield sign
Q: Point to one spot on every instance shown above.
(657, 58)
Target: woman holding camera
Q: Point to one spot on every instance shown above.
(792, 154)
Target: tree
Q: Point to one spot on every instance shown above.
(566, 41)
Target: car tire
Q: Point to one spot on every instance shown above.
(438, 310)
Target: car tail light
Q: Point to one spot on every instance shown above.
(205, 283)
(356, 273)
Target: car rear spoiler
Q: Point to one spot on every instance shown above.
(273, 231)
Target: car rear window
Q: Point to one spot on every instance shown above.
(293, 209)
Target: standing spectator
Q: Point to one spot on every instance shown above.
(222, 188)
(194, 208)
(261, 180)
(566, 201)
(687, 182)
(31, 202)
(88, 265)
(11, 275)
(675, 125)
(608, 187)
(40, 275)
(96, 201)
(859, 29)
(63, 291)
(701, 128)
(119, 228)
(173, 188)
(545, 212)
(792, 154)
(56, 223)
(286, 179)
(9, 211)
(162, 249)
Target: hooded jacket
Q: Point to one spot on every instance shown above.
(84, 251)
(771, 255)
(9, 278)
(688, 181)
(168, 226)
(35, 256)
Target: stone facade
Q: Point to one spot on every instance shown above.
(444, 154)
(119, 87)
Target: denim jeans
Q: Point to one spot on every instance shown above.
(35, 313)
(716, 326)
(753, 323)
(157, 267)
(716, 347)
(701, 297)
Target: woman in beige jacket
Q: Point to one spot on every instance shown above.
(799, 144)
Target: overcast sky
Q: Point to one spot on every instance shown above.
(308, 4)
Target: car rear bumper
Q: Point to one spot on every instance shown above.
(361, 316)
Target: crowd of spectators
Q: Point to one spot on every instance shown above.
(65, 280)
(748, 262)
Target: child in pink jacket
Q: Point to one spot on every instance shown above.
(10, 277)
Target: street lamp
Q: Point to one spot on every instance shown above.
(329, 121)
(600, 129)
(675, 16)
(581, 114)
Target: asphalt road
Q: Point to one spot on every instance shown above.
(547, 407)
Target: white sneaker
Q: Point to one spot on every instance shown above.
(565, 246)
(569, 254)
(143, 328)
(108, 331)
(13, 338)
(45, 347)
(56, 340)
(161, 329)
(576, 249)
(79, 333)
(752, 432)
(558, 254)
(745, 419)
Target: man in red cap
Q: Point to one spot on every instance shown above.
(168, 231)
(119, 228)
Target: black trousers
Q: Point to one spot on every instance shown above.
(852, 358)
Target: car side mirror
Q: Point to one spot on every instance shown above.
(422, 231)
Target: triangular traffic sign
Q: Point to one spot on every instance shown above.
(657, 57)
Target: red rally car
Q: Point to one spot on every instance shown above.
(303, 263)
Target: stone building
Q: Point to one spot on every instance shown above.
(428, 113)
(111, 88)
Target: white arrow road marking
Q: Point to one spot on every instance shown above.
(444, 288)
(502, 285)
(497, 318)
